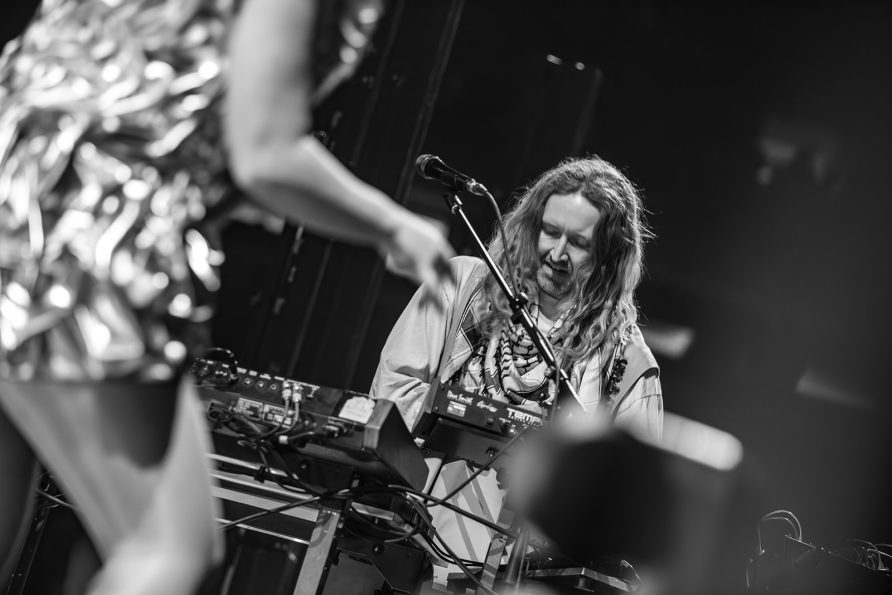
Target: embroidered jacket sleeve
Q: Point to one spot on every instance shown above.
(413, 350)
(637, 405)
(641, 410)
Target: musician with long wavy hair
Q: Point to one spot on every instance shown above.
(575, 237)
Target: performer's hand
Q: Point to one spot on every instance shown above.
(549, 401)
(417, 250)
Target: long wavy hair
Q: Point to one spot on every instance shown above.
(603, 292)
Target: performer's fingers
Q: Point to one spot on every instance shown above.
(433, 294)
(429, 299)
(443, 270)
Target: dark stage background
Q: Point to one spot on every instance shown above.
(760, 134)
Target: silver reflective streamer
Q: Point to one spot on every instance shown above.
(110, 154)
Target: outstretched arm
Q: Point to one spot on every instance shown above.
(285, 169)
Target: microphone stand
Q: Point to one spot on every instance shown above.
(519, 313)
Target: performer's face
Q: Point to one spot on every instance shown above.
(565, 241)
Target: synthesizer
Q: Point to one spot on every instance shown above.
(469, 426)
(329, 438)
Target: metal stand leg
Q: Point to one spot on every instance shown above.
(495, 551)
(514, 572)
(318, 557)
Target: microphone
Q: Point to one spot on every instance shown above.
(432, 168)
